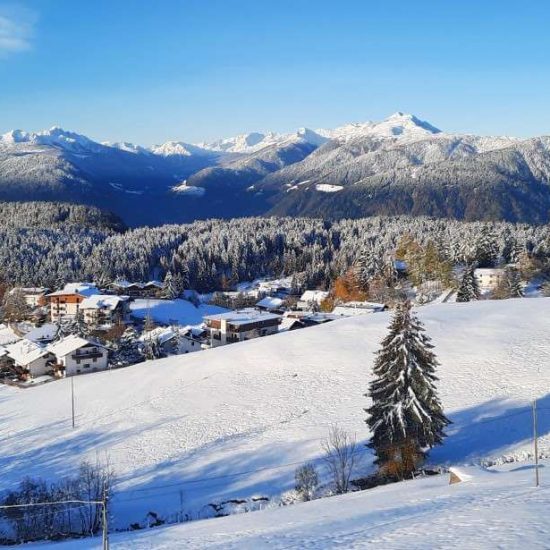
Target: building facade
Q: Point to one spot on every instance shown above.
(238, 326)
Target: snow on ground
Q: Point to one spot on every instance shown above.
(181, 312)
(189, 190)
(328, 188)
(499, 508)
(234, 421)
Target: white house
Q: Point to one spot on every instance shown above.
(104, 310)
(34, 296)
(488, 278)
(349, 309)
(237, 326)
(174, 340)
(66, 302)
(31, 358)
(310, 297)
(75, 355)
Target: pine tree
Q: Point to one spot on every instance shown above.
(469, 288)
(128, 350)
(170, 289)
(486, 248)
(366, 267)
(406, 415)
(513, 282)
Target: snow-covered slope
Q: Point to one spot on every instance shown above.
(496, 508)
(235, 421)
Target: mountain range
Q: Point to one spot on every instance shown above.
(401, 165)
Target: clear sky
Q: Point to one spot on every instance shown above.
(152, 70)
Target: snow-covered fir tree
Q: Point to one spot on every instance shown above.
(128, 350)
(406, 416)
(513, 282)
(169, 288)
(367, 266)
(468, 289)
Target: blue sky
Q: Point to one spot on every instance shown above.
(148, 71)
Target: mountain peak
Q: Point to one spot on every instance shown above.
(411, 120)
(397, 125)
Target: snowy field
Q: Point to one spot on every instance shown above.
(499, 508)
(181, 312)
(234, 421)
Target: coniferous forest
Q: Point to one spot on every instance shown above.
(49, 243)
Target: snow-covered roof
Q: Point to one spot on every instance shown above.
(153, 283)
(270, 302)
(8, 335)
(123, 283)
(69, 344)
(314, 296)
(243, 316)
(362, 305)
(25, 352)
(30, 290)
(102, 301)
(288, 322)
(161, 334)
(47, 331)
(84, 289)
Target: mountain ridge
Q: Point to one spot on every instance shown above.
(401, 165)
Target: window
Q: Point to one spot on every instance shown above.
(87, 366)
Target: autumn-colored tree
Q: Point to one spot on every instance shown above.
(347, 288)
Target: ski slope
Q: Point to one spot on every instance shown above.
(234, 422)
(499, 508)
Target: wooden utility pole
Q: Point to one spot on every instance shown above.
(536, 443)
(72, 399)
(105, 520)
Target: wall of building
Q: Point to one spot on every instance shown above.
(38, 366)
(84, 364)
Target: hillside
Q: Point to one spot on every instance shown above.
(496, 508)
(47, 215)
(233, 422)
(401, 165)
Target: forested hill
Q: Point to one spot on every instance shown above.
(47, 215)
(216, 253)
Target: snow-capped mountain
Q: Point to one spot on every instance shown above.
(397, 125)
(255, 141)
(397, 166)
(54, 137)
(179, 148)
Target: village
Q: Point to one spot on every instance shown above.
(81, 328)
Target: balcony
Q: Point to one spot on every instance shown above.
(88, 355)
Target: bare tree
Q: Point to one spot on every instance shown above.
(94, 481)
(15, 307)
(341, 457)
(307, 481)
